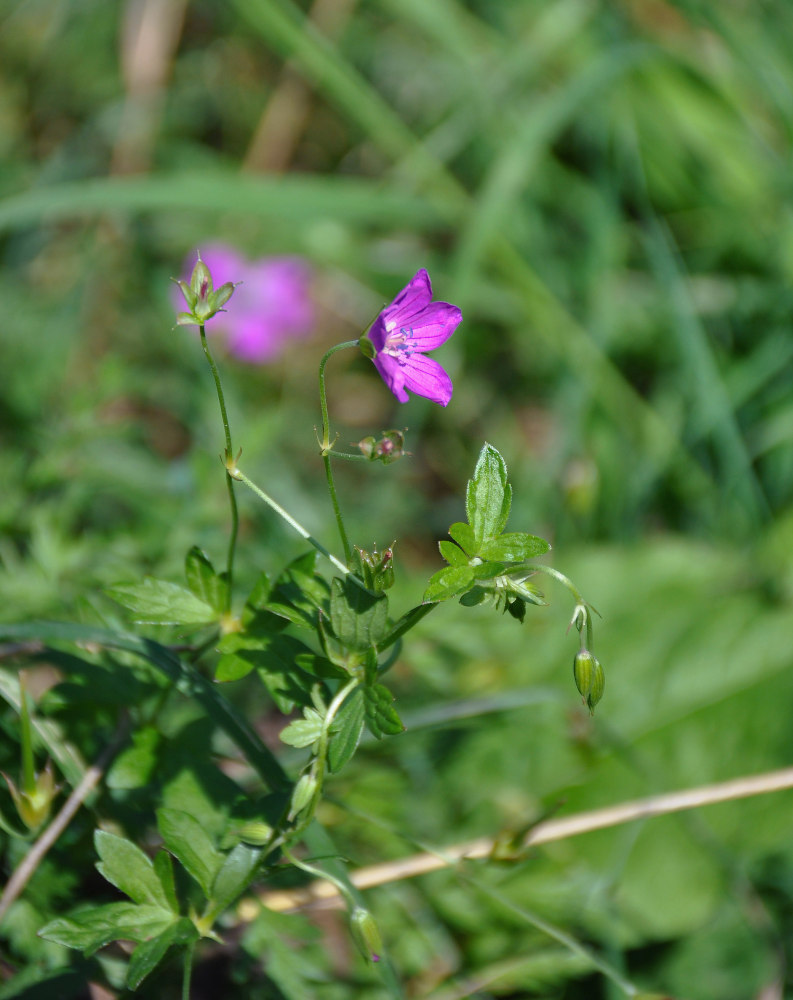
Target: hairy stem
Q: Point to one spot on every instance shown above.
(235, 519)
(326, 446)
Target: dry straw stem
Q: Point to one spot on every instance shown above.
(323, 894)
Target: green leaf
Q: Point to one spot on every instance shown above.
(163, 867)
(303, 732)
(148, 955)
(129, 869)
(463, 534)
(234, 877)
(405, 623)
(488, 497)
(92, 928)
(209, 586)
(453, 554)
(158, 602)
(515, 546)
(347, 729)
(381, 716)
(358, 617)
(135, 765)
(449, 582)
(300, 592)
(274, 657)
(189, 842)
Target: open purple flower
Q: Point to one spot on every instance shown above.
(404, 331)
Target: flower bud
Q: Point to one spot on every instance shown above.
(589, 678)
(33, 805)
(365, 934)
(203, 301)
(377, 568)
(386, 449)
(302, 794)
(255, 832)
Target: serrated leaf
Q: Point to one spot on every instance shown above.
(185, 837)
(515, 546)
(163, 868)
(209, 586)
(449, 582)
(381, 716)
(463, 534)
(347, 730)
(129, 869)
(303, 732)
(148, 955)
(134, 766)
(235, 876)
(358, 617)
(92, 928)
(159, 602)
(488, 497)
(453, 554)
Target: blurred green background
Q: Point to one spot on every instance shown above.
(605, 189)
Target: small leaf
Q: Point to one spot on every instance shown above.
(163, 867)
(449, 582)
(303, 732)
(274, 657)
(381, 716)
(129, 869)
(489, 496)
(148, 955)
(92, 928)
(205, 583)
(463, 534)
(235, 876)
(135, 765)
(453, 554)
(358, 617)
(515, 546)
(189, 842)
(158, 602)
(347, 729)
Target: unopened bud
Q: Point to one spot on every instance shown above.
(33, 805)
(589, 678)
(202, 300)
(377, 568)
(386, 449)
(365, 934)
(255, 832)
(302, 794)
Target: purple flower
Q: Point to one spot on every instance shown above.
(270, 307)
(404, 331)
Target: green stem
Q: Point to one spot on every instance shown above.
(188, 970)
(26, 739)
(237, 474)
(235, 518)
(326, 446)
(343, 890)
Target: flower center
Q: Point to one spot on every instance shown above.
(400, 345)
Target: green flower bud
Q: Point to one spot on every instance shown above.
(386, 449)
(255, 832)
(302, 794)
(33, 806)
(365, 934)
(377, 568)
(589, 678)
(201, 280)
(203, 301)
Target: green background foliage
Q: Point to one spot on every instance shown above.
(604, 189)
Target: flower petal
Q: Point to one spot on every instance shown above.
(393, 374)
(434, 325)
(425, 377)
(411, 300)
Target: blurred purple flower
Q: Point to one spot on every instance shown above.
(403, 331)
(270, 307)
